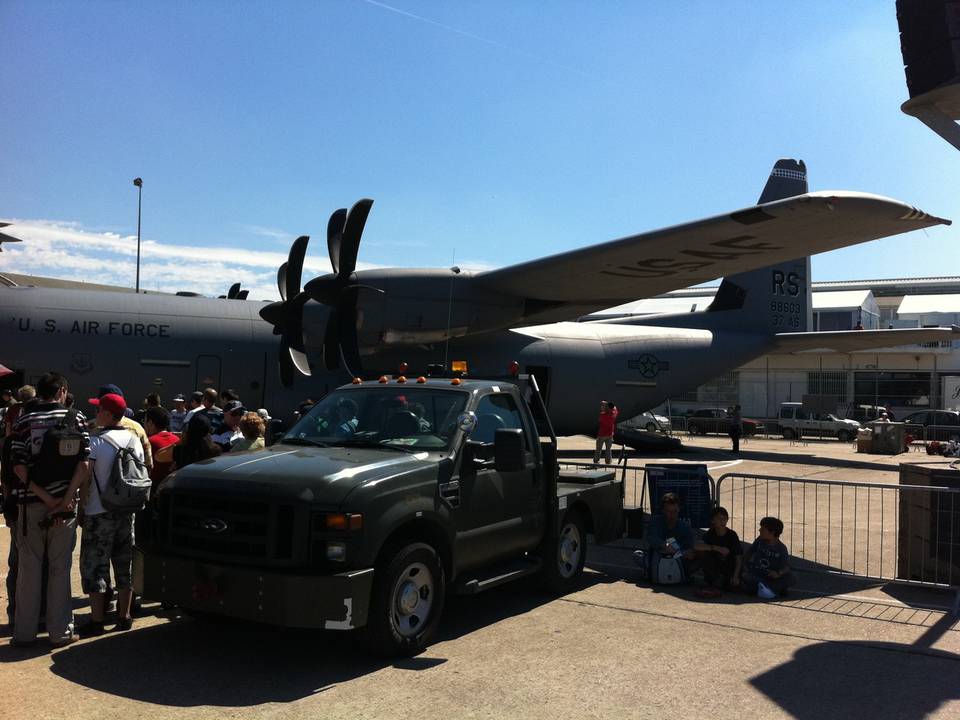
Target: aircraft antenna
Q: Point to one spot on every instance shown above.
(456, 271)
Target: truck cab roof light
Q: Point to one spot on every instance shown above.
(402, 379)
(383, 380)
(356, 381)
(421, 380)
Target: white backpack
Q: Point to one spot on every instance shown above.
(128, 486)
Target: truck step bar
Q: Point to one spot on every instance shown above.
(499, 575)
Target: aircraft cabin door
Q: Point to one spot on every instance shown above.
(208, 372)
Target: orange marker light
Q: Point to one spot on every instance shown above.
(456, 381)
(459, 366)
(401, 379)
(357, 381)
(403, 368)
(513, 368)
(421, 380)
(383, 379)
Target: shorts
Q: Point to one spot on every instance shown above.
(107, 539)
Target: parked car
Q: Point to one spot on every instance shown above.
(867, 413)
(937, 424)
(796, 421)
(717, 420)
(648, 421)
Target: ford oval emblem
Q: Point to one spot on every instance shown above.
(214, 525)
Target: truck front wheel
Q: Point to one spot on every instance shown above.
(408, 595)
(564, 557)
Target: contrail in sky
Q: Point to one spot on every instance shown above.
(478, 38)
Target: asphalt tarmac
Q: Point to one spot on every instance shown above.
(614, 648)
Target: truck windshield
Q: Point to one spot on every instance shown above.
(398, 417)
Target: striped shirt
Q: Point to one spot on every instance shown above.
(27, 438)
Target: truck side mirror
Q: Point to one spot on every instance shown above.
(508, 450)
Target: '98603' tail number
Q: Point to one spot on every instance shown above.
(785, 314)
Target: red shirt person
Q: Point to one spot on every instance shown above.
(607, 424)
(156, 422)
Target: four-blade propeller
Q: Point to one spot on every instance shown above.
(286, 316)
(339, 290)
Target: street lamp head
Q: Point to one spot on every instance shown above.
(138, 182)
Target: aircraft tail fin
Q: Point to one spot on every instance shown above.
(776, 298)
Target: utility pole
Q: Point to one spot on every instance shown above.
(139, 183)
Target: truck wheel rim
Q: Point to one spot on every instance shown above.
(412, 599)
(568, 553)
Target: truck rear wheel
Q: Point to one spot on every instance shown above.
(564, 557)
(408, 595)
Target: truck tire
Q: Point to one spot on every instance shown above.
(564, 556)
(407, 601)
(789, 434)
(650, 427)
(844, 436)
(693, 429)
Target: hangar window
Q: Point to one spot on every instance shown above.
(829, 383)
(899, 389)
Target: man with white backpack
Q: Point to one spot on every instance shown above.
(117, 488)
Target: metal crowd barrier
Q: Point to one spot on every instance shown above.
(905, 534)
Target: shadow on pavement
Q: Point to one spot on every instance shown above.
(862, 680)
(186, 663)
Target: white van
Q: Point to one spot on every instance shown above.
(796, 421)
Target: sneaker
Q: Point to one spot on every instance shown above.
(92, 629)
(765, 593)
(124, 623)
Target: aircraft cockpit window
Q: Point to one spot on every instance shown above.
(399, 418)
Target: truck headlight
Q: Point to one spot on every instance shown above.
(336, 551)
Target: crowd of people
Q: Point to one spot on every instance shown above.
(55, 465)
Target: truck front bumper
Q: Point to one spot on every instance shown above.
(330, 602)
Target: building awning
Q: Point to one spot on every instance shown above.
(915, 305)
(841, 299)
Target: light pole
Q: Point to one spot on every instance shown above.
(139, 183)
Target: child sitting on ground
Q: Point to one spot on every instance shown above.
(767, 573)
(721, 555)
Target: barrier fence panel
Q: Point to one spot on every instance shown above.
(895, 533)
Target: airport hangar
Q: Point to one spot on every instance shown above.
(905, 379)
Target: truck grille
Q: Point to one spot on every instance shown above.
(229, 528)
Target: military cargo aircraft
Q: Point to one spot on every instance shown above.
(367, 322)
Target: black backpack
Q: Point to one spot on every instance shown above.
(60, 451)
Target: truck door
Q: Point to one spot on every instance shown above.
(494, 518)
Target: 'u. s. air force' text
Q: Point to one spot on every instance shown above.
(95, 327)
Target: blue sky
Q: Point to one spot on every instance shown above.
(498, 131)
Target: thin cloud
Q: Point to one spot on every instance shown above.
(478, 38)
(65, 250)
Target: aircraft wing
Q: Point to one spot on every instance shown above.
(852, 340)
(649, 264)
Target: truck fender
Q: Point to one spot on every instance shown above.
(424, 526)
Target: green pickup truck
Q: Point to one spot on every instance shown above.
(385, 497)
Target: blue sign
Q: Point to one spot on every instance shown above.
(690, 483)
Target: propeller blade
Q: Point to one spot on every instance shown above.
(324, 289)
(282, 281)
(331, 345)
(299, 361)
(293, 331)
(295, 266)
(335, 236)
(352, 230)
(349, 342)
(286, 364)
(274, 313)
(242, 295)
(233, 291)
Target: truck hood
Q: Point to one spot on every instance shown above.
(288, 472)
